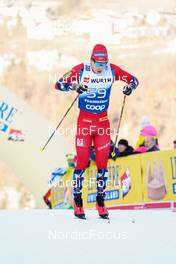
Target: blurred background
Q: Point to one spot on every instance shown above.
(40, 41)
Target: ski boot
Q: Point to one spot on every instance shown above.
(100, 205)
(78, 207)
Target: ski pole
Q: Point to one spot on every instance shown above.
(42, 149)
(117, 134)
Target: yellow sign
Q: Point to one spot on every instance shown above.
(159, 176)
(123, 185)
(134, 182)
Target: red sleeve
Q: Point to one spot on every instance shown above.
(120, 75)
(72, 76)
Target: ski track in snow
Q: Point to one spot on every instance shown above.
(44, 236)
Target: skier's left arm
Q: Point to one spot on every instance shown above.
(121, 75)
(71, 80)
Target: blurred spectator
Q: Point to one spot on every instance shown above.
(146, 130)
(150, 144)
(174, 142)
(141, 149)
(123, 148)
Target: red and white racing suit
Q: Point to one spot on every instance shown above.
(93, 124)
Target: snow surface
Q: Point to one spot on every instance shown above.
(55, 236)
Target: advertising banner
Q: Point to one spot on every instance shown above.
(159, 177)
(123, 185)
(135, 182)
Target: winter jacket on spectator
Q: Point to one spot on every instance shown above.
(123, 148)
(146, 130)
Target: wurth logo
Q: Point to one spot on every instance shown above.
(101, 80)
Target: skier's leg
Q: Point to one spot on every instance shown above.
(102, 148)
(83, 144)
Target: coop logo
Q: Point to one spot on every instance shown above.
(95, 107)
(101, 80)
(6, 115)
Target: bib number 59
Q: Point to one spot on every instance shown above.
(99, 93)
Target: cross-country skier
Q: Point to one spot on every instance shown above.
(93, 80)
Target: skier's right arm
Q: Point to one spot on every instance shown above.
(71, 79)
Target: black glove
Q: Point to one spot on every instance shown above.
(127, 90)
(81, 88)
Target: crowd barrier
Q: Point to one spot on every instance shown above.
(135, 182)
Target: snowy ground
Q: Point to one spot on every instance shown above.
(47, 236)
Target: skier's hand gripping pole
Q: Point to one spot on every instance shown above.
(117, 134)
(42, 149)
